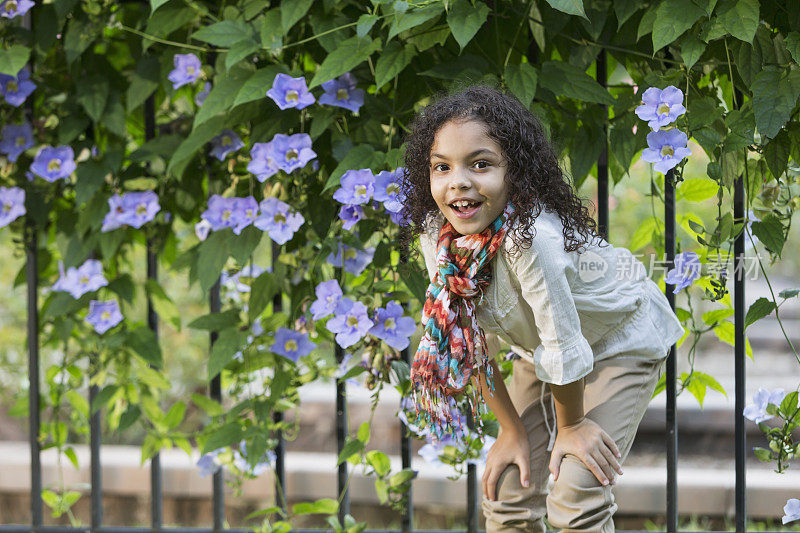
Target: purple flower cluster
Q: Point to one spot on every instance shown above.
(78, 281)
(12, 204)
(16, 89)
(666, 148)
(200, 97)
(52, 164)
(132, 209)
(187, 70)
(289, 92)
(272, 215)
(211, 462)
(103, 315)
(283, 152)
(757, 411)
(357, 187)
(15, 139)
(292, 344)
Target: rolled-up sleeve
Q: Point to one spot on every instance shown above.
(564, 354)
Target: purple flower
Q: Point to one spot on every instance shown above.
(12, 204)
(16, 89)
(78, 281)
(187, 70)
(16, 138)
(757, 411)
(232, 282)
(356, 187)
(200, 97)
(202, 228)
(290, 92)
(392, 327)
(225, 143)
(241, 463)
(15, 8)
(328, 295)
(292, 151)
(132, 208)
(687, 269)
(243, 213)
(278, 219)
(666, 149)
(103, 315)
(399, 218)
(54, 163)
(292, 344)
(355, 261)
(220, 212)
(791, 511)
(350, 214)
(209, 463)
(342, 92)
(661, 107)
(387, 189)
(350, 322)
(262, 161)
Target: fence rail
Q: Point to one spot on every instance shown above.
(472, 501)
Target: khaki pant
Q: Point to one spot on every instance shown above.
(616, 394)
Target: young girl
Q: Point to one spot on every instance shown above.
(512, 253)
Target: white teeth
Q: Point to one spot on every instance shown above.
(463, 203)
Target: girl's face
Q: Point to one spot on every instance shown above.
(466, 163)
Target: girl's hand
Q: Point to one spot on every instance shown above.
(511, 447)
(588, 442)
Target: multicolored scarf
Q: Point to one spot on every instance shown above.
(453, 345)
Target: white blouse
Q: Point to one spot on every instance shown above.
(564, 310)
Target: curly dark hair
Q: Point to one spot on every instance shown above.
(533, 173)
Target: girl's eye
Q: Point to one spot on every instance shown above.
(436, 167)
(484, 162)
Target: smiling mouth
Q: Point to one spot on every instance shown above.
(465, 209)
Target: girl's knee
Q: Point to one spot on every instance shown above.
(578, 500)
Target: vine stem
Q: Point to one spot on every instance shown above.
(168, 42)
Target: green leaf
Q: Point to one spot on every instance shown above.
(789, 293)
(323, 506)
(522, 79)
(402, 477)
(224, 33)
(379, 461)
(361, 156)
(187, 149)
(570, 7)
(382, 491)
(789, 405)
(697, 189)
(155, 4)
(173, 15)
(365, 23)
(103, 397)
(758, 310)
(672, 19)
(73, 458)
(347, 56)
(762, 454)
(163, 305)
(413, 18)
(230, 433)
(465, 20)
(392, 61)
(271, 31)
(216, 321)
(775, 93)
(240, 50)
(143, 341)
(739, 18)
(212, 256)
(770, 232)
(143, 82)
(777, 152)
(209, 405)
(13, 59)
(793, 45)
(175, 415)
(352, 447)
(691, 49)
(293, 11)
(243, 245)
(225, 347)
(80, 34)
(262, 290)
(565, 79)
(222, 96)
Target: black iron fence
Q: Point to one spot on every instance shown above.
(472, 496)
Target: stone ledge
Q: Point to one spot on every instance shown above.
(641, 490)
